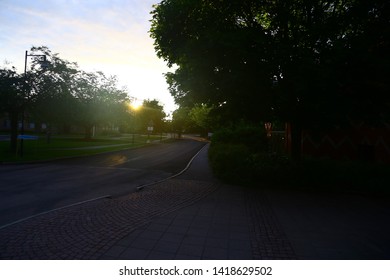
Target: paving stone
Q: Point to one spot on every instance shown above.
(239, 254)
(240, 244)
(215, 242)
(172, 237)
(167, 247)
(155, 255)
(108, 221)
(115, 251)
(198, 231)
(213, 253)
(149, 234)
(190, 250)
(175, 219)
(187, 257)
(143, 243)
(177, 229)
(194, 240)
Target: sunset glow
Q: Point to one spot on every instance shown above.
(99, 35)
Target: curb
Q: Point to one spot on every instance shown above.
(105, 196)
(175, 175)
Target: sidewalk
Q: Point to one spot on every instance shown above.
(193, 216)
(225, 224)
(189, 217)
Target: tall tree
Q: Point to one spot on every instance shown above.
(309, 63)
(55, 89)
(12, 100)
(181, 121)
(200, 115)
(151, 113)
(98, 101)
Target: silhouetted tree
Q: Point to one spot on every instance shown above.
(150, 113)
(98, 101)
(309, 63)
(61, 94)
(12, 100)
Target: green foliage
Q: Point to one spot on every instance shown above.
(310, 63)
(181, 121)
(98, 101)
(252, 137)
(151, 113)
(61, 94)
(239, 156)
(230, 162)
(200, 115)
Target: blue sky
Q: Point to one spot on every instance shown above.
(110, 36)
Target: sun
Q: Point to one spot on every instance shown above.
(136, 104)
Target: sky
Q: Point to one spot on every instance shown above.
(100, 35)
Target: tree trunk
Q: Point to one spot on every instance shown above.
(88, 132)
(296, 141)
(14, 131)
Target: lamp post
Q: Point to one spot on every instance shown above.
(44, 64)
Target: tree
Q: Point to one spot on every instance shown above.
(61, 94)
(36, 92)
(181, 121)
(150, 113)
(55, 87)
(12, 100)
(98, 101)
(200, 115)
(309, 63)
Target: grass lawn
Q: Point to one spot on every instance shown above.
(70, 146)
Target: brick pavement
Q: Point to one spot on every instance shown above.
(188, 217)
(219, 226)
(86, 231)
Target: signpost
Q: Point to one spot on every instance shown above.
(150, 130)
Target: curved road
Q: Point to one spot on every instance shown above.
(30, 189)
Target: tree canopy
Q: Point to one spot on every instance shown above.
(150, 114)
(310, 63)
(61, 94)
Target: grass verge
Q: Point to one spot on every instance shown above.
(69, 146)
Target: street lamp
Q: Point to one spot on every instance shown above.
(44, 64)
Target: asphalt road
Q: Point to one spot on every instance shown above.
(30, 189)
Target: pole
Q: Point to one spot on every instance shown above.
(22, 127)
(25, 77)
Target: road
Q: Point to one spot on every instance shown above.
(30, 189)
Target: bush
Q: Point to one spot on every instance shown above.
(239, 155)
(252, 137)
(229, 161)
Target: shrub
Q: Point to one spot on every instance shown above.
(229, 161)
(240, 155)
